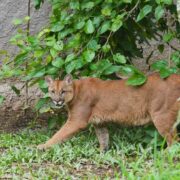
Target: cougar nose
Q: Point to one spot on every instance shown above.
(60, 102)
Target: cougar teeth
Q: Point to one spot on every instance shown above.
(55, 102)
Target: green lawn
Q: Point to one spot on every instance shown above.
(133, 154)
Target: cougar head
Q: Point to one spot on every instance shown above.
(60, 91)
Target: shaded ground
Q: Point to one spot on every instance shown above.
(134, 153)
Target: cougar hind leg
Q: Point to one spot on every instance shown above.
(164, 122)
(103, 137)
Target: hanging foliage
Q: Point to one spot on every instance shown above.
(94, 38)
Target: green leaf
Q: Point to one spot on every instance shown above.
(159, 65)
(52, 70)
(53, 52)
(127, 1)
(93, 45)
(89, 27)
(17, 21)
(16, 90)
(161, 48)
(41, 103)
(57, 27)
(173, 70)
(136, 80)
(106, 11)
(79, 25)
(74, 5)
(101, 65)
(168, 2)
(111, 69)
(70, 67)
(158, 1)
(38, 53)
(97, 20)
(105, 27)
(117, 23)
(1, 99)
(27, 18)
(87, 5)
(126, 70)
(44, 31)
(50, 41)
(159, 12)
(38, 73)
(176, 58)
(75, 41)
(119, 58)
(42, 84)
(64, 33)
(162, 67)
(20, 58)
(167, 37)
(79, 63)
(165, 72)
(88, 55)
(70, 57)
(58, 62)
(144, 12)
(37, 3)
(44, 109)
(106, 48)
(58, 46)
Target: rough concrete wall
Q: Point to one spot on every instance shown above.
(156, 55)
(12, 112)
(10, 9)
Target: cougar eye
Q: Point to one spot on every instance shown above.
(62, 92)
(53, 91)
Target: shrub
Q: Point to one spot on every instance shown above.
(94, 38)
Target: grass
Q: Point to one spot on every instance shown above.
(134, 154)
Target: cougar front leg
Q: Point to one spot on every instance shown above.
(103, 137)
(68, 130)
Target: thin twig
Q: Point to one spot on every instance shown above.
(110, 34)
(147, 60)
(26, 65)
(174, 48)
(169, 57)
(107, 40)
(132, 10)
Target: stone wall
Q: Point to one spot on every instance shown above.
(11, 9)
(12, 111)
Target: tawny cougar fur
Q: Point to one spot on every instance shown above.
(92, 100)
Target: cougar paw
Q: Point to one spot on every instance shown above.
(104, 149)
(42, 146)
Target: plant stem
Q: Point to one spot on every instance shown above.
(26, 65)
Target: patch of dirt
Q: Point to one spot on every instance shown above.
(2, 149)
(86, 170)
(83, 171)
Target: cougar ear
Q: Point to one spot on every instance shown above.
(68, 79)
(48, 80)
